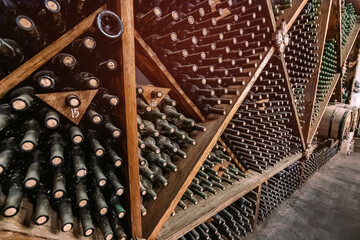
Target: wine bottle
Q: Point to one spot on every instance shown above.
(11, 53)
(30, 138)
(15, 195)
(56, 149)
(59, 184)
(42, 206)
(32, 177)
(8, 153)
(22, 98)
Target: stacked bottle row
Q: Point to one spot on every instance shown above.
(164, 137)
(279, 6)
(207, 46)
(72, 168)
(326, 77)
(260, 134)
(215, 175)
(233, 222)
(26, 27)
(331, 151)
(279, 188)
(301, 55)
(315, 161)
(348, 20)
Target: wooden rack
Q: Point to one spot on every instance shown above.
(134, 51)
(126, 90)
(186, 220)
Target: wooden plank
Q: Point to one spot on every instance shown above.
(159, 211)
(232, 155)
(290, 14)
(57, 101)
(337, 95)
(21, 225)
(267, 9)
(125, 86)
(150, 65)
(311, 88)
(353, 73)
(323, 105)
(184, 221)
(334, 28)
(295, 121)
(30, 66)
(350, 42)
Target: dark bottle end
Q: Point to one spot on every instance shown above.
(105, 227)
(76, 135)
(42, 208)
(81, 195)
(52, 120)
(73, 101)
(14, 197)
(86, 222)
(111, 99)
(66, 216)
(22, 102)
(59, 185)
(25, 23)
(30, 141)
(109, 25)
(94, 117)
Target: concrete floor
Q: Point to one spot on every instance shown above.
(326, 207)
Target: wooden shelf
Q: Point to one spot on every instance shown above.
(186, 220)
(159, 211)
(322, 107)
(311, 88)
(350, 42)
(30, 66)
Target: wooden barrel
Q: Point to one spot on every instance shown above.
(354, 115)
(335, 123)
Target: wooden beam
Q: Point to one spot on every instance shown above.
(334, 29)
(30, 66)
(294, 121)
(311, 88)
(186, 220)
(150, 65)
(125, 87)
(257, 207)
(159, 211)
(323, 105)
(268, 11)
(350, 42)
(290, 14)
(232, 155)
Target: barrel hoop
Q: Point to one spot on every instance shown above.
(332, 120)
(342, 123)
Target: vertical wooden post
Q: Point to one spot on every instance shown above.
(125, 84)
(257, 207)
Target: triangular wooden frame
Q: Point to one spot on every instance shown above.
(57, 101)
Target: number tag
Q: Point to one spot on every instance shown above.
(75, 113)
